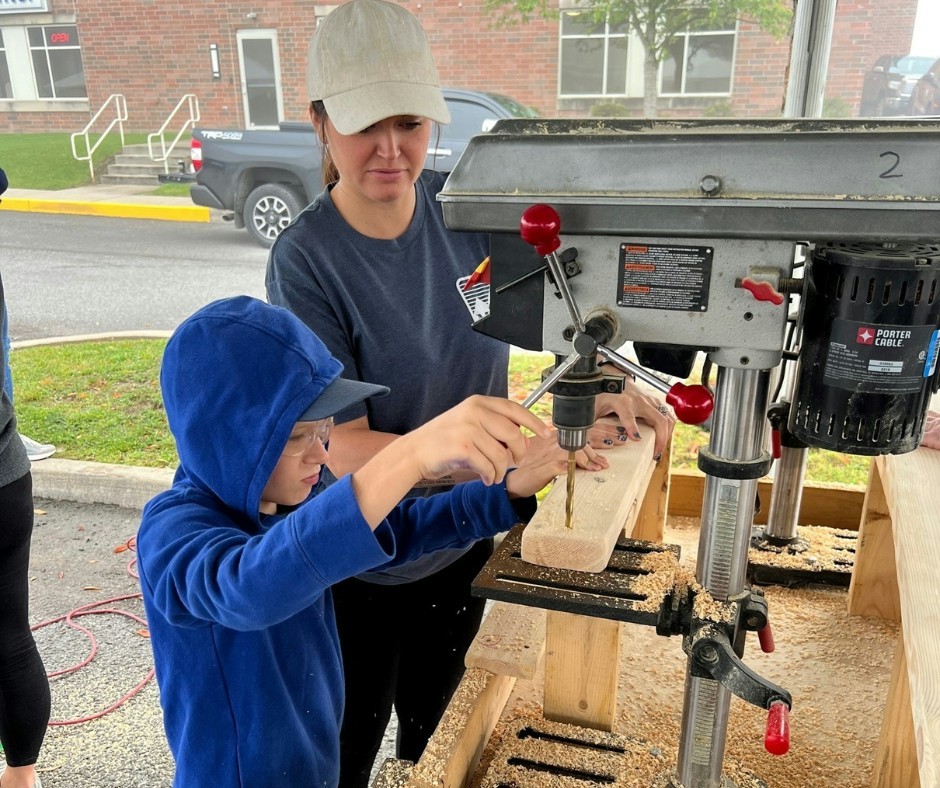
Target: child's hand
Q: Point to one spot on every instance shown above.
(481, 435)
(544, 462)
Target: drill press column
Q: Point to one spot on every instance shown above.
(735, 450)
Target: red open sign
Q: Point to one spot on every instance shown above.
(59, 38)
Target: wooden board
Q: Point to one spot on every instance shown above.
(911, 485)
(896, 757)
(873, 590)
(510, 641)
(455, 748)
(651, 520)
(603, 503)
(582, 666)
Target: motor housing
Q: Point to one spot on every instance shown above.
(868, 351)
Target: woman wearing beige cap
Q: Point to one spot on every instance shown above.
(371, 268)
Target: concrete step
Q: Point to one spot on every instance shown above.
(121, 160)
(138, 149)
(134, 166)
(134, 180)
(136, 169)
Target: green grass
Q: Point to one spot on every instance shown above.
(97, 401)
(172, 190)
(44, 161)
(100, 401)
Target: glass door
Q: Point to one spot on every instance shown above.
(260, 78)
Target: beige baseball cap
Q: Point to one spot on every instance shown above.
(370, 60)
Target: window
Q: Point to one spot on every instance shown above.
(6, 87)
(57, 61)
(593, 56)
(700, 61)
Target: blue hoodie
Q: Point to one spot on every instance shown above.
(238, 603)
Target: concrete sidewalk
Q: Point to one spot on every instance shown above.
(121, 201)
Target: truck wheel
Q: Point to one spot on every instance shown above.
(268, 210)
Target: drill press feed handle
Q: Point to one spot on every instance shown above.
(539, 227)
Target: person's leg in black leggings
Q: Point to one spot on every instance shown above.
(367, 617)
(440, 619)
(24, 688)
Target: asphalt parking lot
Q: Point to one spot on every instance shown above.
(79, 561)
(79, 558)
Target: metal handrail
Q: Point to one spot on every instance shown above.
(193, 106)
(120, 109)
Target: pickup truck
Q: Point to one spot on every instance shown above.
(263, 178)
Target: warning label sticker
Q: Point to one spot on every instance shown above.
(880, 358)
(664, 277)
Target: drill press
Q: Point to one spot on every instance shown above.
(682, 237)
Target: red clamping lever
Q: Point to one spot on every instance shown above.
(762, 291)
(765, 637)
(777, 736)
(775, 448)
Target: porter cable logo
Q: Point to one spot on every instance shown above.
(882, 337)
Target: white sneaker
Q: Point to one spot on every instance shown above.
(35, 450)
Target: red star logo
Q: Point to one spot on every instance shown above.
(865, 336)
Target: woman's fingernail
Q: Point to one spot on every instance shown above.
(657, 457)
(636, 436)
(608, 442)
(622, 438)
(621, 429)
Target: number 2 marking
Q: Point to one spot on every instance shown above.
(890, 172)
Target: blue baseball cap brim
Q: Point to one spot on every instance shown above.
(339, 395)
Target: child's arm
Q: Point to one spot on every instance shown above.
(481, 434)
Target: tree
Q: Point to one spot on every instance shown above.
(655, 23)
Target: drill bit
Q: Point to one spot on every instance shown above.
(569, 500)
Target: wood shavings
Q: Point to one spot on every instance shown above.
(827, 549)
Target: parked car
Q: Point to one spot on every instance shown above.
(925, 98)
(888, 86)
(263, 179)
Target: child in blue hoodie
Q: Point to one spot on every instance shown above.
(237, 558)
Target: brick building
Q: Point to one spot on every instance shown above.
(245, 61)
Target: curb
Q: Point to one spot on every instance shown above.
(127, 486)
(171, 213)
(105, 336)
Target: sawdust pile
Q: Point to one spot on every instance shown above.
(837, 668)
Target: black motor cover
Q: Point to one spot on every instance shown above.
(868, 354)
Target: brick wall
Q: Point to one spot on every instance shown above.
(154, 51)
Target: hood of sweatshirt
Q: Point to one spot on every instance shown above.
(236, 376)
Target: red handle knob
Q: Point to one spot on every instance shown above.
(765, 637)
(777, 737)
(539, 227)
(775, 447)
(692, 404)
(762, 291)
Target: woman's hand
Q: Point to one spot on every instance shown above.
(630, 406)
(932, 431)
